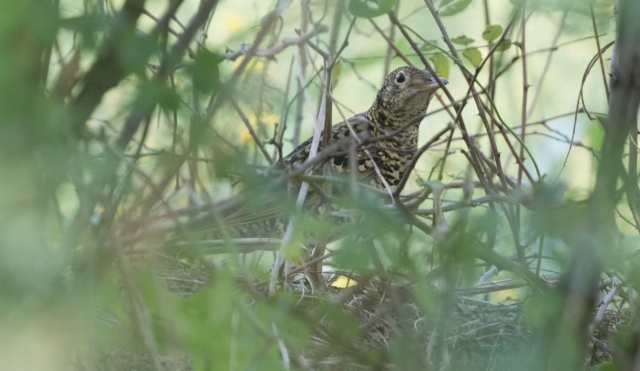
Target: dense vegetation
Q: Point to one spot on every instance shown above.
(132, 132)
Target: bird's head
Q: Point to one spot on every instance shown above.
(406, 93)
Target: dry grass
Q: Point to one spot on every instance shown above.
(478, 334)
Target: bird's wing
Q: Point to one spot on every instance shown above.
(262, 215)
(340, 133)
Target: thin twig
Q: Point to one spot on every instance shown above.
(273, 51)
(603, 306)
(595, 33)
(315, 142)
(416, 157)
(252, 132)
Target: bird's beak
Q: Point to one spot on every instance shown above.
(431, 83)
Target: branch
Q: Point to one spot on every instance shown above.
(271, 52)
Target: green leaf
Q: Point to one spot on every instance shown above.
(445, 2)
(205, 72)
(454, 8)
(134, 52)
(335, 73)
(462, 40)
(159, 92)
(473, 55)
(441, 63)
(595, 132)
(429, 45)
(504, 45)
(607, 366)
(203, 313)
(353, 254)
(370, 8)
(492, 32)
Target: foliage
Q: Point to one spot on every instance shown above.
(137, 136)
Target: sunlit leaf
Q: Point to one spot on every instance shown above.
(473, 55)
(462, 40)
(441, 63)
(370, 8)
(492, 32)
(454, 8)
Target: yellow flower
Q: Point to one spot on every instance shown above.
(245, 137)
(233, 23)
(343, 282)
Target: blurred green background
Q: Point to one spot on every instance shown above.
(80, 191)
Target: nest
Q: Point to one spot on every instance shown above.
(474, 334)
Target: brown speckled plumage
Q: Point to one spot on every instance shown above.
(397, 103)
(405, 94)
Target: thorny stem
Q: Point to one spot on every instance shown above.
(315, 142)
(387, 57)
(547, 63)
(304, 23)
(416, 157)
(595, 33)
(267, 22)
(277, 142)
(250, 129)
(575, 118)
(478, 101)
(493, 107)
(474, 160)
(525, 88)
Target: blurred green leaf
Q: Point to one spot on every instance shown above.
(159, 301)
(204, 314)
(134, 53)
(462, 40)
(504, 45)
(492, 32)
(313, 225)
(353, 254)
(608, 366)
(595, 133)
(335, 73)
(113, 319)
(473, 55)
(441, 63)
(87, 25)
(434, 185)
(406, 351)
(159, 92)
(206, 75)
(430, 45)
(370, 8)
(454, 8)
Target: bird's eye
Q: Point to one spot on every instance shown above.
(400, 78)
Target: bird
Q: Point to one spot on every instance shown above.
(404, 95)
